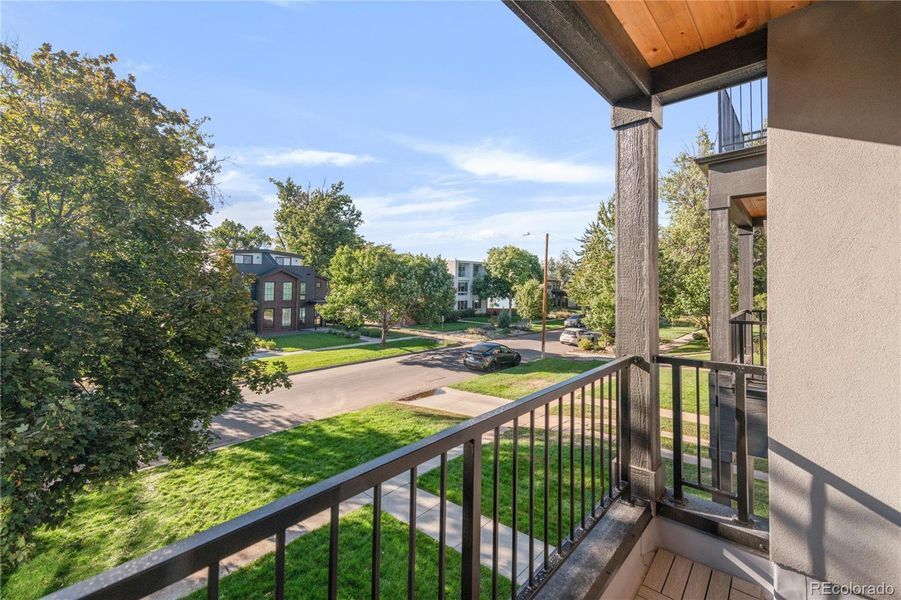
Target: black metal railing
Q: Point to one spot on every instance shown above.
(748, 337)
(742, 115)
(583, 488)
(736, 431)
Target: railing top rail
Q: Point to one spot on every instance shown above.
(182, 558)
(711, 365)
(746, 322)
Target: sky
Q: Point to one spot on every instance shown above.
(452, 125)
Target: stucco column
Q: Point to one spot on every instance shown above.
(636, 124)
(745, 268)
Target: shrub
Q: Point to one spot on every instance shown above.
(264, 343)
(503, 321)
(587, 344)
(699, 335)
(469, 312)
(451, 316)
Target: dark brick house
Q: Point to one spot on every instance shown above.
(286, 291)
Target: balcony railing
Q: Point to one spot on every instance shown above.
(742, 115)
(748, 337)
(581, 470)
(736, 428)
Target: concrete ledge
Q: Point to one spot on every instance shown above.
(717, 520)
(594, 562)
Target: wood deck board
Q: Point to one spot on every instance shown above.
(674, 577)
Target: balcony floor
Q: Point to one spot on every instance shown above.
(674, 577)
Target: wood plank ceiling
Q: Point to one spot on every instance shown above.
(666, 30)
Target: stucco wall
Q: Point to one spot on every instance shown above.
(834, 291)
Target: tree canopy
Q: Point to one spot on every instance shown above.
(373, 283)
(528, 296)
(562, 268)
(122, 337)
(593, 285)
(230, 235)
(315, 222)
(505, 268)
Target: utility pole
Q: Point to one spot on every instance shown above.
(544, 297)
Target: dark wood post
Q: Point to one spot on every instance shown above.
(745, 268)
(636, 123)
(720, 344)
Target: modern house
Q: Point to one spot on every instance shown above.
(286, 291)
(465, 272)
(781, 476)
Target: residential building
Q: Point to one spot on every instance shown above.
(805, 415)
(286, 292)
(465, 272)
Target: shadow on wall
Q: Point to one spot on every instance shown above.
(814, 494)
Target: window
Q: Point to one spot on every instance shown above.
(283, 260)
(476, 270)
(302, 315)
(318, 284)
(462, 304)
(461, 270)
(463, 287)
(244, 259)
(286, 317)
(288, 290)
(269, 291)
(303, 290)
(268, 317)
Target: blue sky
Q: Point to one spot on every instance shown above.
(451, 124)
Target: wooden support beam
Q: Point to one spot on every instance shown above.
(720, 289)
(745, 268)
(636, 125)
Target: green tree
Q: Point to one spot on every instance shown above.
(315, 222)
(435, 291)
(505, 268)
(371, 283)
(229, 235)
(562, 268)
(528, 296)
(593, 285)
(122, 336)
(685, 241)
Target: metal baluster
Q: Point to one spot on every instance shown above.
(572, 465)
(494, 511)
(212, 581)
(411, 540)
(698, 417)
(375, 583)
(560, 474)
(515, 505)
(622, 381)
(745, 502)
(442, 525)
(280, 565)
(472, 499)
(716, 404)
(333, 554)
(593, 445)
(582, 461)
(547, 479)
(531, 498)
(610, 418)
(676, 371)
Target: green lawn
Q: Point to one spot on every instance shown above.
(306, 565)
(443, 327)
(668, 334)
(698, 349)
(430, 481)
(516, 382)
(343, 356)
(375, 332)
(309, 341)
(551, 325)
(164, 504)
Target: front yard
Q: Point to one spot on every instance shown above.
(344, 356)
(310, 341)
(161, 505)
(517, 382)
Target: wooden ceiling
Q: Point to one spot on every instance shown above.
(666, 30)
(754, 206)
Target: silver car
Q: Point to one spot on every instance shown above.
(571, 336)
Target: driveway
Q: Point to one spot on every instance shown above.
(326, 393)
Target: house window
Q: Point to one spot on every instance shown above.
(302, 315)
(269, 291)
(461, 270)
(463, 287)
(268, 317)
(318, 284)
(462, 304)
(286, 317)
(288, 290)
(244, 259)
(283, 260)
(303, 290)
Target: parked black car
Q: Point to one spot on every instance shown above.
(490, 356)
(574, 321)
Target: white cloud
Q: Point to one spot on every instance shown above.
(303, 157)
(496, 161)
(425, 199)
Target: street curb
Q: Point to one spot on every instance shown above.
(369, 360)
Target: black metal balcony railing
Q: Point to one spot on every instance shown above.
(742, 115)
(730, 429)
(748, 337)
(584, 490)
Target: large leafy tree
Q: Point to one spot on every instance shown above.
(122, 337)
(529, 295)
(562, 268)
(505, 268)
(685, 241)
(593, 285)
(375, 284)
(315, 222)
(230, 235)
